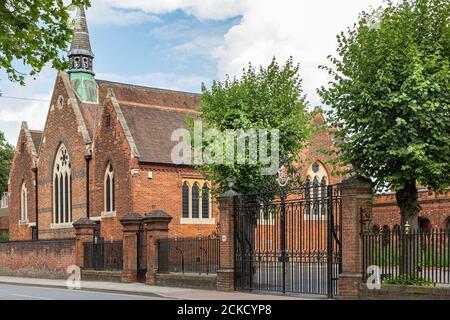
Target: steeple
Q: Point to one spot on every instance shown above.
(80, 54)
(81, 57)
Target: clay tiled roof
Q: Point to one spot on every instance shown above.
(151, 115)
(36, 136)
(152, 129)
(132, 94)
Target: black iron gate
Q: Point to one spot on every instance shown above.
(103, 255)
(289, 241)
(141, 254)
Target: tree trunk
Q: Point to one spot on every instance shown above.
(409, 209)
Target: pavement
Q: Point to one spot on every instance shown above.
(25, 292)
(21, 287)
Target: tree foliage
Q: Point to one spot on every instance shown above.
(390, 96)
(264, 98)
(34, 32)
(6, 156)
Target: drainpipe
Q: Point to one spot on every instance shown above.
(88, 158)
(36, 198)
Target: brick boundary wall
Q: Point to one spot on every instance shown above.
(45, 258)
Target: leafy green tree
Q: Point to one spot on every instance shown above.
(389, 99)
(34, 32)
(6, 156)
(264, 98)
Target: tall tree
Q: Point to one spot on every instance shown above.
(34, 32)
(6, 156)
(390, 99)
(264, 98)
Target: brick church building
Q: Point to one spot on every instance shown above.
(105, 152)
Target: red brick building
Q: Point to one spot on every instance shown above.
(105, 152)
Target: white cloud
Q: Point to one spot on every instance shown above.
(303, 29)
(103, 12)
(29, 103)
(202, 9)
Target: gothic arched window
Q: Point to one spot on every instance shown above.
(316, 196)
(205, 201)
(62, 187)
(324, 197)
(185, 200)
(308, 195)
(110, 205)
(316, 192)
(195, 201)
(23, 203)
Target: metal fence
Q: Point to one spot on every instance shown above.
(188, 255)
(103, 255)
(289, 242)
(408, 255)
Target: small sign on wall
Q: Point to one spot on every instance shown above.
(224, 238)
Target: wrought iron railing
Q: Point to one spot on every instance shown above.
(188, 255)
(103, 255)
(410, 256)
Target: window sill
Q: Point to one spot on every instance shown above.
(197, 221)
(32, 224)
(66, 225)
(111, 214)
(23, 222)
(96, 218)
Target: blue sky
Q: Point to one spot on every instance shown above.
(178, 44)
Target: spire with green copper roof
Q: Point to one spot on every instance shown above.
(81, 60)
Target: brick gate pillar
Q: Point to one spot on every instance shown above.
(131, 223)
(225, 273)
(84, 231)
(156, 227)
(356, 195)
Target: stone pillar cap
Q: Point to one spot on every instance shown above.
(84, 222)
(228, 194)
(356, 180)
(131, 217)
(158, 214)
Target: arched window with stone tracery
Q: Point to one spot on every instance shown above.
(62, 187)
(110, 205)
(316, 191)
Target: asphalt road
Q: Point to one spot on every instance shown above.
(19, 292)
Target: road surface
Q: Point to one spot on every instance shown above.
(20, 292)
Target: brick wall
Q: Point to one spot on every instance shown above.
(164, 192)
(62, 127)
(48, 259)
(111, 147)
(21, 173)
(435, 208)
(4, 220)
